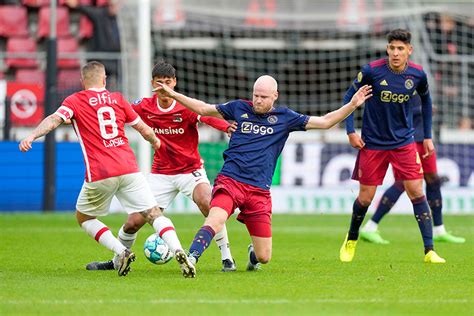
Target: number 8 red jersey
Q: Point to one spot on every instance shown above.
(98, 118)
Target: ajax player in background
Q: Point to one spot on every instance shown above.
(249, 161)
(177, 165)
(98, 118)
(370, 230)
(387, 138)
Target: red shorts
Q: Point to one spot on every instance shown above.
(372, 164)
(429, 163)
(255, 204)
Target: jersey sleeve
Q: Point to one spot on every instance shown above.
(363, 78)
(227, 110)
(131, 117)
(215, 122)
(296, 121)
(66, 110)
(426, 105)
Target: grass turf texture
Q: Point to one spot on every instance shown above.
(43, 258)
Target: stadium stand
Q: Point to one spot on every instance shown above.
(21, 45)
(62, 22)
(13, 21)
(30, 76)
(67, 49)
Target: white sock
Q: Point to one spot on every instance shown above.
(222, 241)
(439, 230)
(101, 233)
(126, 239)
(165, 229)
(370, 227)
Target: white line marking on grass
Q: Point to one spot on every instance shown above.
(236, 301)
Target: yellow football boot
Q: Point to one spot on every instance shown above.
(346, 254)
(432, 257)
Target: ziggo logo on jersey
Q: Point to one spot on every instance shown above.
(248, 127)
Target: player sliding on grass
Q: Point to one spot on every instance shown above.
(177, 165)
(249, 161)
(99, 117)
(387, 137)
(370, 231)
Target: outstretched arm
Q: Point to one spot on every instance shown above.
(47, 125)
(334, 117)
(197, 106)
(148, 134)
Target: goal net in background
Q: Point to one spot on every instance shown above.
(315, 49)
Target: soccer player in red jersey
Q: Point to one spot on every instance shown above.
(249, 161)
(98, 118)
(387, 138)
(177, 165)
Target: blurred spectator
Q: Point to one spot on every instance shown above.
(465, 124)
(106, 36)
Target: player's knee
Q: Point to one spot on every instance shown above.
(204, 207)
(151, 214)
(132, 226)
(364, 201)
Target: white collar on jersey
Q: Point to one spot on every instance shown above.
(165, 110)
(97, 89)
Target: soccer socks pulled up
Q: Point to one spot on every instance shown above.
(165, 229)
(435, 201)
(201, 241)
(101, 233)
(222, 241)
(423, 218)
(388, 200)
(358, 214)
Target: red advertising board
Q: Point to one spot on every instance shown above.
(26, 103)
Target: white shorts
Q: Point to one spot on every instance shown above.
(132, 190)
(166, 187)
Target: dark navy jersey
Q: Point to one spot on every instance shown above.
(258, 141)
(417, 119)
(388, 114)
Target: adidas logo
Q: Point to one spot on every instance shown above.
(245, 115)
(384, 83)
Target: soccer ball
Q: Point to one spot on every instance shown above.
(156, 250)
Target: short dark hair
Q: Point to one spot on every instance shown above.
(163, 70)
(399, 35)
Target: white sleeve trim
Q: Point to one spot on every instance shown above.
(65, 108)
(134, 122)
(61, 116)
(199, 118)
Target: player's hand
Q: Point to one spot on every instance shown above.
(25, 144)
(356, 141)
(429, 148)
(156, 145)
(232, 128)
(163, 90)
(361, 95)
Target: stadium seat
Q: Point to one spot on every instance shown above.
(30, 76)
(69, 78)
(13, 21)
(86, 28)
(35, 3)
(21, 45)
(101, 3)
(68, 49)
(62, 22)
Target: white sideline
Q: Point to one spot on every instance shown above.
(236, 301)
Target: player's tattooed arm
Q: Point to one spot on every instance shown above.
(47, 125)
(148, 134)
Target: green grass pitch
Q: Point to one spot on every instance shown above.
(43, 258)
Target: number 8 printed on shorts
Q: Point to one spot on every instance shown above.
(104, 122)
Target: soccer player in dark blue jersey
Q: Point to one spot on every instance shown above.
(387, 138)
(250, 160)
(370, 230)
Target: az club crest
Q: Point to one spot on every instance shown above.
(272, 119)
(408, 84)
(359, 76)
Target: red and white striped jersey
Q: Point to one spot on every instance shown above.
(176, 127)
(98, 117)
